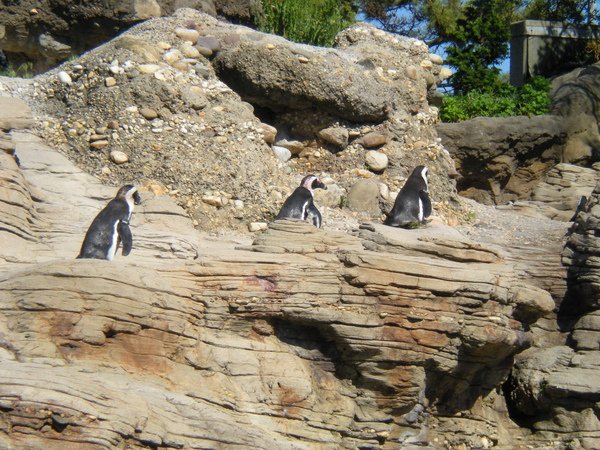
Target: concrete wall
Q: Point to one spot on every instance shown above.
(539, 47)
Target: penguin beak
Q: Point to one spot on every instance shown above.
(319, 185)
(136, 198)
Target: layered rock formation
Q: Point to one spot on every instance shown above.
(304, 339)
(548, 159)
(296, 337)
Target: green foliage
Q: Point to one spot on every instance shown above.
(479, 41)
(502, 101)
(314, 22)
(25, 70)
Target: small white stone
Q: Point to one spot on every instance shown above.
(110, 82)
(384, 191)
(436, 59)
(213, 200)
(172, 56)
(282, 153)
(148, 68)
(445, 73)
(238, 204)
(64, 77)
(376, 161)
(257, 226)
(118, 157)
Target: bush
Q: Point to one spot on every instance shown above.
(502, 100)
(314, 22)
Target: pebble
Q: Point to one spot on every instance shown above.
(106, 170)
(207, 52)
(110, 82)
(164, 45)
(238, 204)
(148, 68)
(257, 226)
(148, 113)
(98, 137)
(64, 77)
(118, 157)
(436, 59)
(376, 161)
(187, 34)
(189, 51)
(426, 64)
(444, 73)
(172, 56)
(282, 153)
(213, 200)
(372, 139)
(268, 133)
(221, 139)
(384, 191)
(97, 145)
(209, 42)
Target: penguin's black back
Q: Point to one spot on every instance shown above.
(103, 230)
(296, 205)
(406, 207)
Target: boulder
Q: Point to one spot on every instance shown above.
(505, 157)
(363, 197)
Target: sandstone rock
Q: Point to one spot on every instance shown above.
(187, 34)
(268, 133)
(148, 113)
(295, 147)
(100, 144)
(376, 161)
(110, 82)
(477, 142)
(336, 136)
(189, 51)
(372, 139)
(118, 157)
(425, 319)
(140, 47)
(14, 113)
(209, 42)
(259, 73)
(563, 186)
(363, 197)
(283, 154)
(64, 77)
(257, 226)
(195, 97)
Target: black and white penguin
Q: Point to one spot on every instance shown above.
(111, 227)
(300, 204)
(412, 205)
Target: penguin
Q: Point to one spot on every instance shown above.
(580, 206)
(412, 205)
(111, 227)
(300, 204)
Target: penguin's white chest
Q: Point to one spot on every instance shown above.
(112, 250)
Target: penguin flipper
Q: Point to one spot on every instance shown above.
(424, 196)
(125, 236)
(313, 214)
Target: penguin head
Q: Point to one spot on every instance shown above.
(311, 182)
(129, 191)
(420, 172)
